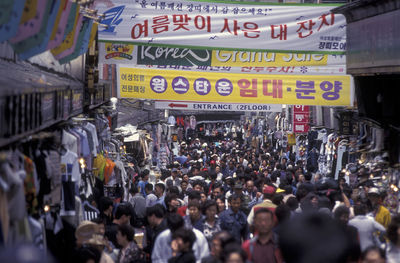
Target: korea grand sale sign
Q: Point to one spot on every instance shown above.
(224, 25)
(229, 60)
(187, 85)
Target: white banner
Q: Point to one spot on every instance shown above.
(211, 106)
(224, 25)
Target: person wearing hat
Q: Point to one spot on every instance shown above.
(87, 234)
(175, 178)
(269, 193)
(238, 190)
(380, 213)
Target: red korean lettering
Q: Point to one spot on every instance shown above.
(324, 20)
(305, 26)
(160, 24)
(247, 88)
(276, 88)
(282, 34)
(140, 29)
(181, 22)
(246, 69)
(226, 27)
(250, 28)
(201, 22)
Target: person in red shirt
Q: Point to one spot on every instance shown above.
(264, 246)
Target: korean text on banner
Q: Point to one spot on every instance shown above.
(335, 90)
(224, 25)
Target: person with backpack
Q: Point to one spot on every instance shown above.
(264, 246)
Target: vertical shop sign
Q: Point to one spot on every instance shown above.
(345, 123)
(301, 118)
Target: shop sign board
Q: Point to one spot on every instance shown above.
(224, 25)
(211, 106)
(301, 118)
(232, 61)
(335, 90)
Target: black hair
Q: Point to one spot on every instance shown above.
(174, 189)
(122, 209)
(233, 248)
(194, 203)
(174, 222)
(194, 195)
(134, 190)
(392, 230)
(277, 199)
(341, 210)
(222, 197)
(169, 197)
(207, 204)
(197, 182)
(224, 237)
(216, 185)
(303, 239)
(212, 174)
(187, 236)
(149, 187)
(308, 176)
(105, 203)
(282, 213)
(360, 209)
(128, 231)
(145, 172)
(288, 189)
(234, 196)
(161, 185)
(99, 220)
(84, 254)
(157, 210)
(292, 203)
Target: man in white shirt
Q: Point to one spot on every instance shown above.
(162, 249)
(366, 227)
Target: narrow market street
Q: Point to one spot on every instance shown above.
(199, 131)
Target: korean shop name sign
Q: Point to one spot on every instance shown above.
(334, 90)
(224, 25)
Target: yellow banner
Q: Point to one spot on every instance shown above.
(260, 59)
(235, 88)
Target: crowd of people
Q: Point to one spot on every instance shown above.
(228, 202)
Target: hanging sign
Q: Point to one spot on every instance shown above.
(210, 106)
(222, 60)
(38, 43)
(224, 25)
(10, 26)
(301, 119)
(235, 88)
(31, 27)
(57, 35)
